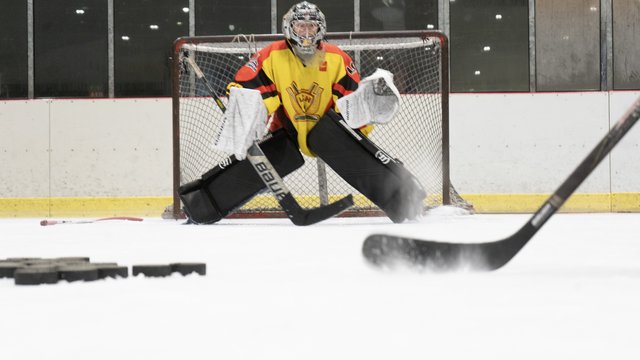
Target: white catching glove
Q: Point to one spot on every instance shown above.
(376, 101)
(242, 123)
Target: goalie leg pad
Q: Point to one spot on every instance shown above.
(393, 189)
(231, 184)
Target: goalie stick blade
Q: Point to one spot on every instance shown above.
(387, 250)
(272, 180)
(303, 217)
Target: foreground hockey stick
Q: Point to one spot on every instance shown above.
(446, 256)
(273, 180)
(56, 222)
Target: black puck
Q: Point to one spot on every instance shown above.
(36, 275)
(101, 264)
(188, 268)
(22, 259)
(111, 270)
(44, 262)
(151, 270)
(78, 272)
(72, 259)
(7, 269)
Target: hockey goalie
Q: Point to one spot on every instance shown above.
(311, 92)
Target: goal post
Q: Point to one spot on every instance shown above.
(418, 136)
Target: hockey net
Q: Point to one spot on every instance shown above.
(418, 136)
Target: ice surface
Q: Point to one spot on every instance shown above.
(276, 291)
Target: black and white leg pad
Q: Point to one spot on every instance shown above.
(231, 184)
(351, 155)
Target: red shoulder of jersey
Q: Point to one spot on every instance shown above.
(348, 62)
(349, 82)
(330, 48)
(254, 65)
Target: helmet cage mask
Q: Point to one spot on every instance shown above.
(304, 13)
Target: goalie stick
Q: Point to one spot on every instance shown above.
(272, 180)
(382, 250)
(48, 222)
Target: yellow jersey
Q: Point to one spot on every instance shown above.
(304, 92)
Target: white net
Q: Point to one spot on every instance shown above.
(415, 136)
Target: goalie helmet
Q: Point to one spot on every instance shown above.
(304, 28)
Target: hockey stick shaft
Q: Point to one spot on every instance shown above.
(383, 249)
(48, 222)
(272, 179)
(586, 167)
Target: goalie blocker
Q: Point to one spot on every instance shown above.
(370, 170)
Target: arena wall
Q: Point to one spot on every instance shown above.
(107, 157)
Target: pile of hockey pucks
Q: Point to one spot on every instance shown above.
(36, 271)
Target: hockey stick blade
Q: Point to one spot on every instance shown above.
(301, 217)
(388, 250)
(48, 222)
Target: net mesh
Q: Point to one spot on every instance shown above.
(414, 136)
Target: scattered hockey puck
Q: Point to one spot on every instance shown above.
(151, 270)
(36, 275)
(78, 272)
(23, 259)
(188, 268)
(31, 262)
(111, 270)
(7, 269)
(101, 264)
(72, 259)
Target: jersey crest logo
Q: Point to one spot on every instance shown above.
(306, 102)
(323, 66)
